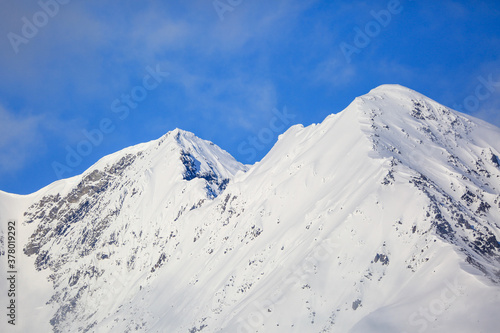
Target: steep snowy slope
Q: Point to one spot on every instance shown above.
(336, 230)
(82, 229)
(383, 218)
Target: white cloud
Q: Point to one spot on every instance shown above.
(335, 72)
(25, 137)
(242, 102)
(20, 140)
(489, 109)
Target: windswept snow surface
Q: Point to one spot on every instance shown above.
(383, 218)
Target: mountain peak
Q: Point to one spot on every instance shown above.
(422, 133)
(384, 88)
(209, 157)
(177, 133)
(404, 113)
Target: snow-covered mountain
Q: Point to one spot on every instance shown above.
(383, 218)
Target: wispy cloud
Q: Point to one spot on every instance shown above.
(237, 99)
(25, 136)
(489, 109)
(335, 72)
(20, 140)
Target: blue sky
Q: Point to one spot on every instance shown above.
(236, 72)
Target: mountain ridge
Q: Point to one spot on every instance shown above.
(334, 230)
